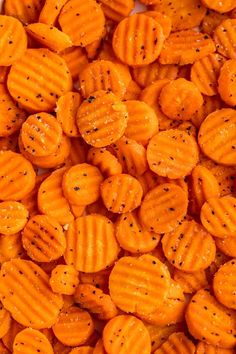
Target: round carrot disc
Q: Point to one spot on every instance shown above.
(224, 37)
(163, 208)
(50, 11)
(43, 239)
(13, 217)
(217, 137)
(210, 104)
(177, 342)
(219, 6)
(102, 119)
(126, 334)
(27, 11)
(73, 327)
(17, 176)
(38, 79)
(209, 321)
(84, 238)
(107, 163)
(81, 184)
(190, 282)
(218, 216)
(227, 245)
(33, 341)
(138, 40)
(121, 193)
(28, 295)
(188, 239)
(227, 82)
(82, 21)
(145, 284)
(66, 110)
(64, 279)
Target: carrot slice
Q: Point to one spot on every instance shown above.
(190, 282)
(76, 60)
(121, 193)
(33, 341)
(145, 40)
(224, 284)
(116, 10)
(169, 202)
(159, 335)
(50, 11)
(82, 350)
(177, 342)
(27, 11)
(204, 348)
(107, 163)
(132, 91)
(211, 20)
(210, 104)
(225, 43)
(99, 347)
(227, 246)
(66, 110)
(5, 321)
(189, 128)
(78, 152)
(64, 279)
(126, 334)
(11, 247)
(13, 217)
(60, 348)
(217, 5)
(99, 279)
(164, 20)
(227, 82)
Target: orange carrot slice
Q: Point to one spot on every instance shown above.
(116, 10)
(190, 282)
(66, 110)
(9, 143)
(159, 335)
(5, 321)
(11, 247)
(13, 217)
(226, 245)
(33, 341)
(50, 11)
(98, 279)
(107, 163)
(64, 279)
(76, 60)
(211, 20)
(164, 20)
(225, 43)
(27, 11)
(189, 128)
(78, 152)
(177, 342)
(132, 91)
(99, 347)
(204, 348)
(227, 82)
(224, 284)
(217, 5)
(210, 104)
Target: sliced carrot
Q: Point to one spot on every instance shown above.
(224, 284)
(98, 279)
(225, 43)
(116, 10)
(219, 260)
(210, 104)
(132, 91)
(227, 82)
(92, 49)
(159, 335)
(189, 128)
(76, 60)
(227, 246)
(211, 20)
(9, 337)
(13, 217)
(177, 342)
(66, 111)
(11, 247)
(60, 348)
(64, 279)
(5, 321)
(27, 11)
(78, 151)
(164, 20)
(107, 163)
(190, 282)
(51, 10)
(204, 348)
(217, 5)
(31, 340)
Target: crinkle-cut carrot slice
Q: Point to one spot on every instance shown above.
(51, 200)
(107, 163)
(167, 161)
(116, 10)
(101, 75)
(9, 337)
(142, 121)
(99, 347)
(172, 310)
(132, 156)
(205, 73)
(189, 128)
(82, 21)
(13, 217)
(209, 321)
(151, 180)
(217, 137)
(33, 341)
(64, 279)
(13, 40)
(132, 236)
(27, 11)
(26, 294)
(188, 239)
(184, 14)
(126, 334)
(186, 47)
(50, 11)
(163, 208)
(81, 184)
(211, 20)
(66, 111)
(49, 36)
(102, 119)
(159, 335)
(225, 37)
(148, 181)
(73, 327)
(204, 348)
(36, 87)
(150, 95)
(146, 282)
(148, 74)
(177, 343)
(41, 134)
(121, 193)
(82, 350)
(180, 99)
(164, 20)
(5, 323)
(78, 151)
(203, 185)
(219, 260)
(227, 82)
(99, 279)
(10, 247)
(132, 91)
(90, 233)
(224, 284)
(138, 40)
(17, 176)
(226, 245)
(190, 282)
(43, 239)
(76, 60)
(219, 6)
(92, 49)
(95, 301)
(210, 104)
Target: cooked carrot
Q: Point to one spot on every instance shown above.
(164, 20)
(82, 350)
(132, 91)
(9, 337)
(33, 341)
(27, 11)
(225, 43)
(66, 110)
(64, 279)
(210, 104)
(227, 82)
(227, 246)
(107, 163)
(177, 342)
(211, 20)
(116, 10)
(159, 335)
(78, 151)
(190, 282)
(99, 279)
(51, 10)
(218, 6)
(11, 247)
(76, 60)
(99, 347)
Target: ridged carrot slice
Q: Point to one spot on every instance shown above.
(80, 179)
(167, 161)
(78, 151)
(28, 297)
(224, 37)
(164, 20)
(145, 289)
(50, 11)
(82, 350)
(226, 245)
(31, 341)
(204, 348)
(92, 49)
(180, 99)
(121, 193)
(126, 334)
(10, 247)
(132, 236)
(186, 47)
(99, 347)
(224, 284)
(64, 279)
(227, 82)
(211, 20)
(190, 282)
(27, 11)
(84, 234)
(210, 104)
(188, 239)
(95, 301)
(219, 6)
(219, 260)
(83, 22)
(98, 279)
(189, 128)
(132, 91)
(107, 163)
(76, 60)
(43, 239)
(51, 200)
(219, 127)
(145, 40)
(167, 201)
(73, 327)
(209, 321)
(13, 217)
(37, 87)
(177, 343)
(159, 335)
(101, 75)
(66, 110)
(5, 319)
(116, 10)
